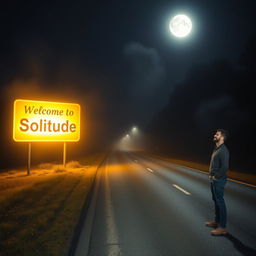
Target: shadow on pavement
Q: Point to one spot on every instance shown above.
(245, 250)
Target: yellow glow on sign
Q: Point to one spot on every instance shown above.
(45, 121)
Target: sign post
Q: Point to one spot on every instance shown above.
(45, 121)
(64, 154)
(29, 158)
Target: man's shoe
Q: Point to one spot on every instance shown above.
(211, 224)
(219, 232)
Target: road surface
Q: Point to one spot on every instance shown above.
(149, 207)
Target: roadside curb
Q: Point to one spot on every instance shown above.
(84, 225)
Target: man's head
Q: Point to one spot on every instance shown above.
(220, 136)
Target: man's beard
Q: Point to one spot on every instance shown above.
(215, 140)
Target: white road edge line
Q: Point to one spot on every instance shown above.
(181, 189)
(112, 235)
(207, 173)
(243, 183)
(230, 179)
(150, 169)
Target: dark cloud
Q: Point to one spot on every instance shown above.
(222, 111)
(148, 71)
(146, 75)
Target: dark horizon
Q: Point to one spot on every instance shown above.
(109, 112)
(121, 63)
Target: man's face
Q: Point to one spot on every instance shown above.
(217, 137)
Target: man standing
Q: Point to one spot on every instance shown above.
(218, 176)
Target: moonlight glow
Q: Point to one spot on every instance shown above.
(180, 25)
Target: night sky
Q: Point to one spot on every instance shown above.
(121, 63)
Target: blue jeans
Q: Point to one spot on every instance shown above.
(217, 188)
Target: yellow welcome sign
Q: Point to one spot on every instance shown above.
(45, 121)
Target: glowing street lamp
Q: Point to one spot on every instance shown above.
(134, 129)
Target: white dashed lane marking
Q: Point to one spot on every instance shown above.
(150, 170)
(181, 189)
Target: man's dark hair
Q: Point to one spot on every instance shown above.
(224, 133)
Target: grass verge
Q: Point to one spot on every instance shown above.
(38, 213)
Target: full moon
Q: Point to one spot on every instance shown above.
(180, 25)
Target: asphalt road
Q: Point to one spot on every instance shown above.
(150, 207)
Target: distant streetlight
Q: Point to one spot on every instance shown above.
(134, 130)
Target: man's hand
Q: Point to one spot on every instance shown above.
(212, 177)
